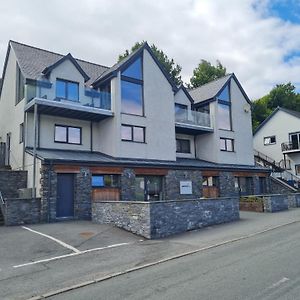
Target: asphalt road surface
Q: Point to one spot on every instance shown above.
(266, 266)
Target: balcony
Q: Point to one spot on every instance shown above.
(192, 122)
(93, 106)
(290, 147)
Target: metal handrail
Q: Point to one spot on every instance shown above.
(267, 158)
(286, 146)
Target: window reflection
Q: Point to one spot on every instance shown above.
(132, 98)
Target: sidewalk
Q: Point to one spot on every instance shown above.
(249, 223)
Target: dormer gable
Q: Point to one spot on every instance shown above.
(69, 57)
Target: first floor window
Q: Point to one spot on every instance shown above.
(67, 90)
(270, 140)
(226, 144)
(101, 181)
(297, 168)
(133, 133)
(67, 134)
(183, 146)
(224, 116)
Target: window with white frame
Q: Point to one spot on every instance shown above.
(270, 140)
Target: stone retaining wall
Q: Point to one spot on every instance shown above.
(164, 218)
(11, 181)
(21, 211)
(274, 203)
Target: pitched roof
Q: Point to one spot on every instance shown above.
(121, 65)
(98, 158)
(69, 57)
(33, 61)
(278, 108)
(209, 90)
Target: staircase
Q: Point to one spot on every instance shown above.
(279, 171)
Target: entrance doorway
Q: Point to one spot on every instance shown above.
(65, 196)
(148, 188)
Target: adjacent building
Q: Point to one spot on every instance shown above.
(85, 132)
(278, 138)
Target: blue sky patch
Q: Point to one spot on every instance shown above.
(287, 10)
(290, 56)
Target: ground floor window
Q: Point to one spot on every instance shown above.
(244, 185)
(149, 188)
(262, 185)
(105, 181)
(210, 186)
(105, 187)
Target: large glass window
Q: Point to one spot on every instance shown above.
(224, 116)
(132, 89)
(67, 90)
(224, 109)
(132, 98)
(134, 70)
(20, 85)
(67, 134)
(224, 95)
(133, 133)
(183, 146)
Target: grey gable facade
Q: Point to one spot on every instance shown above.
(86, 133)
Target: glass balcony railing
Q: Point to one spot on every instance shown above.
(89, 98)
(191, 117)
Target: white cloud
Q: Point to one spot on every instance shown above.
(244, 39)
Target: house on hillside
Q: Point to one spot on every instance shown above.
(85, 132)
(278, 139)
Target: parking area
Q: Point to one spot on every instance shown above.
(33, 244)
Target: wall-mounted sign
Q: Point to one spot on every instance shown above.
(186, 187)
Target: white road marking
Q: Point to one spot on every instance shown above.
(281, 281)
(53, 239)
(69, 255)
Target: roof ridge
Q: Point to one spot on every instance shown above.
(227, 75)
(56, 53)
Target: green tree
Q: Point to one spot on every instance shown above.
(283, 95)
(206, 72)
(170, 66)
(260, 111)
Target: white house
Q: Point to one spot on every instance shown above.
(85, 132)
(278, 137)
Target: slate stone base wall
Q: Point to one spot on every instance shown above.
(21, 211)
(164, 218)
(275, 203)
(131, 216)
(277, 187)
(82, 194)
(11, 181)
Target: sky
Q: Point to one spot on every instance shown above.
(258, 40)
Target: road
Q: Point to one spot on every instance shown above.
(265, 266)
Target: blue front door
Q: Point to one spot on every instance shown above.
(65, 195)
